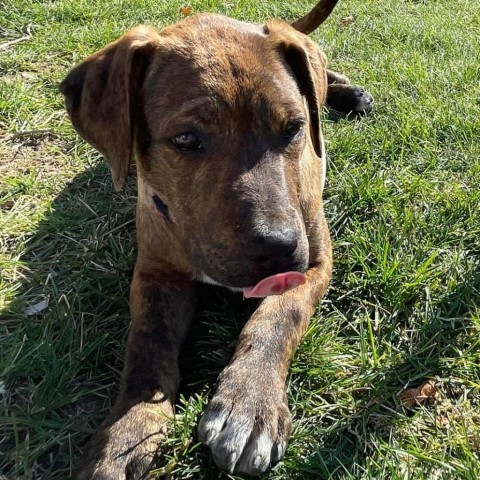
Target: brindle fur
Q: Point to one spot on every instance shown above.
(229, 207)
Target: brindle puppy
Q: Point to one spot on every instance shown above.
(223, 120)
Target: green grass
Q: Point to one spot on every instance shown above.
(403, 203)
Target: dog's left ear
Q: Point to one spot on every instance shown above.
(308, 65)
(101, 94)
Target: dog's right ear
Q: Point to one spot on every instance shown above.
(101, 93)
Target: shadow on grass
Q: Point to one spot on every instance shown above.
(61, 366)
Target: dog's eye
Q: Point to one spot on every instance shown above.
(187, 141)
(292, 128)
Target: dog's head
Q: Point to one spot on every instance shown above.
(222, 118)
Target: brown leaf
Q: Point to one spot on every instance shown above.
(442, 421)
(186, 11)
(346, 21)
(426, 392)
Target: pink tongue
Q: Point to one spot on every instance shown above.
(275, 285)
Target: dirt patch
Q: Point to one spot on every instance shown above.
(40, 153)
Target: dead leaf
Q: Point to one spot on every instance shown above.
(186, 11)
(346, 21)
(28, 75)
(37, 308)
(426, 392)
(442, 420)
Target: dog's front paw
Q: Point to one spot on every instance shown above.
(247, 424)
(126, 448)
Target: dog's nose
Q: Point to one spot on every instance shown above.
(274, 247)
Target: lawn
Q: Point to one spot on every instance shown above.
(403, 204)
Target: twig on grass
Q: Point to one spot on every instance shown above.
(10, 43)
(26, 133)
(5, 45)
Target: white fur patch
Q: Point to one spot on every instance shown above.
(210, 426)
(206, 279)
(256, 456)
(234, 446)
(364, 103)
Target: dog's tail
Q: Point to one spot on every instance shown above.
(315, 17)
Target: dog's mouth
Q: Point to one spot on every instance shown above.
(271, 285)
(275, 285)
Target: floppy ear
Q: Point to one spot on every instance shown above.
(101, 93)
(308, 65)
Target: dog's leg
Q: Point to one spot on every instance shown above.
(247, 423)
(336, 78)
(125, 446)
(346, 98)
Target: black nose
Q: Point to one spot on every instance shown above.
(274, 247)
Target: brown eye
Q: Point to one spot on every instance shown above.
(187, 141)
(292, 128)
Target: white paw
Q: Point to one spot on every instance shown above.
(246, 431)
(363, 100)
